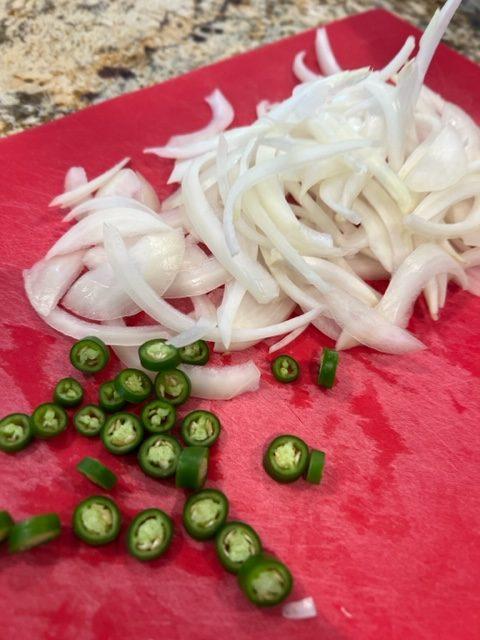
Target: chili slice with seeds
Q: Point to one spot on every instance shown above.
(285, 369)
(68, 393)
(158, 456)
(150, 534)
(48, 420)
(89, 420)
(15, 432)
(109, 398)
(97, 520)
(33, 532)
(159, 416)
(200, 428)
(192, 468)
(286, 458)
(133, 384)
(122, 433)
(204, 513)
(195, 353)
(156, 355)
(97, 473)
(89, 355)
(265, 580)
(235, 543)
(172, 385)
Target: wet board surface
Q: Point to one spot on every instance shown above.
(388, 544)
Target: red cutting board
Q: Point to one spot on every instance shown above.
(388, 545)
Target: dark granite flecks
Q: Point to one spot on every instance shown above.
(57, 56)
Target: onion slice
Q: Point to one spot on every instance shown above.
(70, 198)
(222, 383)
(300, 610)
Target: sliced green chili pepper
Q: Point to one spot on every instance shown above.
(109, 398)
(34, 531)
(316, 462)
(192, 467)
(89, 420)
(68, 393)
(285, 369)
(157, 355)
(89, 355)
(158, 456)
(200, 428)
(122, 433)
(286, 458)
(264, 580)
(159, 416)
(150, 534)
(15, 432)
(133, 384)
(97, 520)
(204, 513)
(172, 385)
(328, 368)
(98, 473)
(6, 524)
(195, 353)
(48, 420)
(235, 543)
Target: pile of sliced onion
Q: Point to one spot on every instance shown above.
(358, 176)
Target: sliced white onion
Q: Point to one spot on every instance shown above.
(325, 56)
(222, 383)
(48, 280)
(290, 337)
(300, 69)
(222, 117)
(76, 195)
(74, 178)
(76, 328)
(89, 230)
(105, 202)
(300, 610)
(124, 183)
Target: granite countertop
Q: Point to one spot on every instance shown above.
(57, 56)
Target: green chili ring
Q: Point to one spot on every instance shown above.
(16, 432)
(122, 433)
(286, 458)
(172, 385)
(192, 468)
(205, 513)
(97, 520)
(316, 463)
(33, 532)
(6, 524)
(159, 416)
(89, 355)
(89, 420)
(97, 473)
(157, 355)
(109, 399)
(68, 393)
(328, 368)
(133, 384)
(49, 420)
(158, 456)
(265, 580)
(150, 534)
(235, 543)
(196, 353)
(285, 369)
(200, 428)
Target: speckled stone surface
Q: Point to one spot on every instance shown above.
(57, 56)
